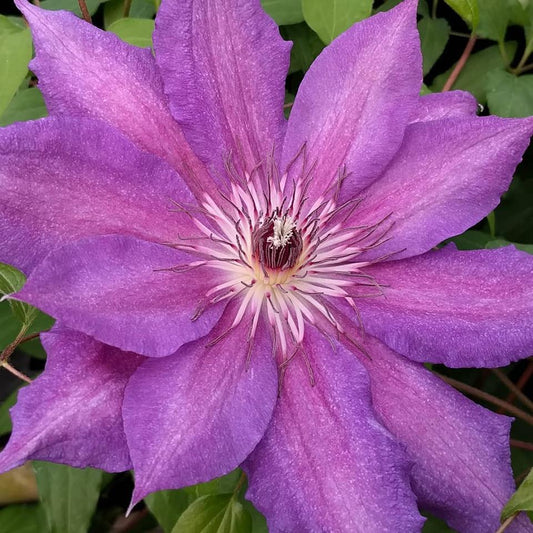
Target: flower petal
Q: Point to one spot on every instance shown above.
(462, 309)
(224, 66)
(85, 71)
(71, 413)
(460, 450)
(63, 178)
(354, 103)
(437, 106)
(325, 464)
(446, 177)
(198, 413)
(121, 291)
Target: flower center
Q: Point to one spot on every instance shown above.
(277, 243)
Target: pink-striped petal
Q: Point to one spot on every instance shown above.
(197, 414)
(325, 463)
(71, 413)
(87, 72)
(123, 292)
(462, 309)
(354, 103)
(224, 65)
(460, 451)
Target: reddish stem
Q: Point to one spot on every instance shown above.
(460, 64)
(521, 383)
(84, 11)
(521, 444)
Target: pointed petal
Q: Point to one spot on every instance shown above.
(445, 178)
(63, 178)
(197, 414)
(354, 103)
(84, 71)
(325, 464)
(460, 450)
(462, 309)
(71, 413)
(224, 66)
(437, 106)
(121, 291)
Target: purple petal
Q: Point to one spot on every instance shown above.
(224, 66)
(446, 177)
(460, 450)
(71, 413)
(85, 71)
(120, 291)
(354, 102)
(325, 463)
(198, 413)
(462, 309)
(438, 106)
(63, 178)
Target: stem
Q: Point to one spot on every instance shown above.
(527, 68)
(525, 56)
(15, 372)
(434, 9)
(521, 444)
(127, 7)
(521, 383)
(84, 11)
(239, 485)
(460, 64)
(460, 34)
(10, 348)
(503, 52)
(506, 524)
(512, 387)
(36, 3)
(510, 408)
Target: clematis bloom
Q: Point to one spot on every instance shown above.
(233, 288)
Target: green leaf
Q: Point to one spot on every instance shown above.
(22, 519)
(521, 500)
(493, 19)
(5, 419)
(167, 506)
(137, 32)
(71, 5)
(15, 54)
(284, 11)
(219, 513)
(468, 10)
(435, 525)
(500, 243)
(329, 19)
(12, 280)
(306, 46)
(515, 213)
(472, 240)
(473, 77)
(509, 95)
(28, 104)
(140, 9)
(68, 495)
(434, 35)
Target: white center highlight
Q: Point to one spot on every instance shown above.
(283, 228)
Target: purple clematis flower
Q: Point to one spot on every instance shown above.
(232, 288)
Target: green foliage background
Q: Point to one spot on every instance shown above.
(45, 497)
